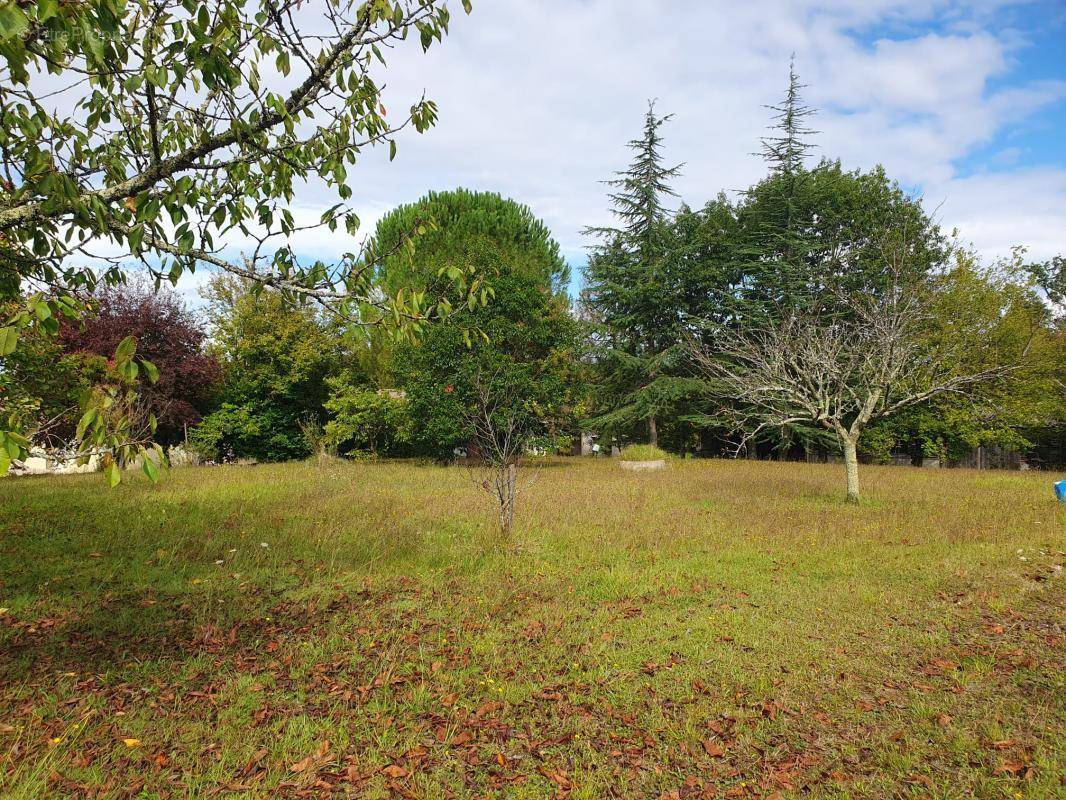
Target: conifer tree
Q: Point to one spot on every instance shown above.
(626, 290)
(778, 225)
(516, 345)
(787, 147)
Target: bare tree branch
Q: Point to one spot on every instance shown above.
(869, 360)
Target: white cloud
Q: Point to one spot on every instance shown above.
(538, 100)
(997, 210)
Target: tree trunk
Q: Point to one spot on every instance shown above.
(506, 491)
(653, 432)
(851, 465)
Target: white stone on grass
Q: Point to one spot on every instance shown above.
(644, 466)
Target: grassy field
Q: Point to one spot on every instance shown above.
(721, 629)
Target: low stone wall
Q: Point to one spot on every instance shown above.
(53, 462)
(643, 466)
(65, 462)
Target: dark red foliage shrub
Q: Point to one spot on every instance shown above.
(167, 334)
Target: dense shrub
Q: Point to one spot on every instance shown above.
(167, 334)
(643, 452)
(277, 359)
(366, 419)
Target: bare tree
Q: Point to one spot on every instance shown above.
(839, 372)
(502, 428)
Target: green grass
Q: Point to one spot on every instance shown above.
(644, 452)
(721, 629)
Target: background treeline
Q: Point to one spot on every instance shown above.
(297, 379)
(806, 242)
(255, 377)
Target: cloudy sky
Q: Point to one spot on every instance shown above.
(963, 103)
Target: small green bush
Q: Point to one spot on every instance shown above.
(643, 452)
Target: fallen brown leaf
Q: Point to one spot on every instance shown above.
(714, 750)
(1010, 766)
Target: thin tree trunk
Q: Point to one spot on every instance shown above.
(512, 490)
(653, 432)
(506, 492)
(851, 465)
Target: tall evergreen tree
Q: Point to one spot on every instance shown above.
(786, 148)
(639, 191)
(528, 333)
(778, 230)
(627, 291)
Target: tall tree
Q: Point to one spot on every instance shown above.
(777, 230)
(523, 336)
(625, 286)
(786, 148)
(841, 373)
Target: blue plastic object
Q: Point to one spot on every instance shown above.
(1060, 491)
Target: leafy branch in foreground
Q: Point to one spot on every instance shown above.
(176, 123)
(116, 427)
(154, 131)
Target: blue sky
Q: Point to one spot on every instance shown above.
(963, 103)
(1039, 139)
(1036, 32)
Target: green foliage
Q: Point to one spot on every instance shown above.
(276, 360)
(52, 398)
(807, 241)
(701, 273)
(629, 290)
(622, 276)
(1050, 277)
(116, 425)
(365, 419)
(643, 452)
(466, 231)
(805, 237)
(251, 430)
(40, 383)
(522, 333)
(640, 191)
(796, 241)
(785, 150)
(182, 123)
(440, 372)
(878, 441)
(643, 388)
(314, 434)
(196, 119)
(984, 317)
